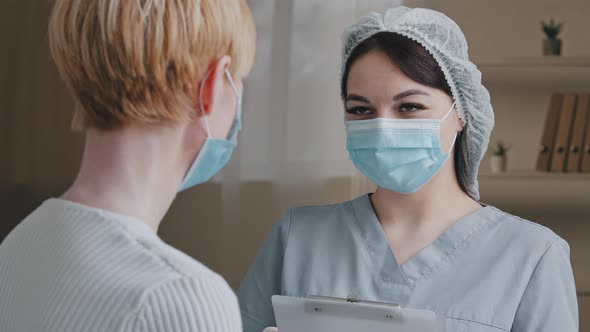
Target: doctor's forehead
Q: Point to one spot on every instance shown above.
(375, 75)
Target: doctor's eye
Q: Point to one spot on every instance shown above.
(359, 111)
(411, 107)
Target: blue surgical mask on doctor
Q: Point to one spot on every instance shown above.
(401, 155)
(216, 152)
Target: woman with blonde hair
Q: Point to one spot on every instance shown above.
(159, 86)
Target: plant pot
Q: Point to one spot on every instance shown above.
(552, 47)
(498, 164)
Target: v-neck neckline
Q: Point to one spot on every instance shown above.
(426, 261)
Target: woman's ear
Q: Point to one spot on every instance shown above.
(460, 123)
(211, 87)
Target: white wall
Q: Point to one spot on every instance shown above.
(294, 88)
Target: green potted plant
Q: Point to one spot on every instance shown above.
(551, 45)
(499, 158)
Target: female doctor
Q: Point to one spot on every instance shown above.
(418, 121)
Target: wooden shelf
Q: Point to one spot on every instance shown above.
(538, 61)
(556, 73)
(558, 194)
(535, 175)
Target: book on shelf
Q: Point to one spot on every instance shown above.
(585, 167)
(574, 159)
(564, 133)
(548, 138)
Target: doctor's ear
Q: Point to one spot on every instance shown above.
(460, 122)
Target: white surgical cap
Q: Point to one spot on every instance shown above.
(444, 40)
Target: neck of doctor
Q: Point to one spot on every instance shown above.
(134, 171)
(439, 204)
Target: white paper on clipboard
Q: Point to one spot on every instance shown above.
(295, 314)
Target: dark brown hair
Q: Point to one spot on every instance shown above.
(409, 56)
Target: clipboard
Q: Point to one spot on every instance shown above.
(324, 314)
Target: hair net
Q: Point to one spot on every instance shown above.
(444, 40)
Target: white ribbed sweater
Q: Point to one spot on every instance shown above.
(68, 267)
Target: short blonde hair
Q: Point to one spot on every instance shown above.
(141, 61)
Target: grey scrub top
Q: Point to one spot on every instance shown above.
(489, 272)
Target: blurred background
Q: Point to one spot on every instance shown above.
(292, 150)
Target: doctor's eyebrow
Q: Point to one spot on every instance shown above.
(409, 93)
(353, 97)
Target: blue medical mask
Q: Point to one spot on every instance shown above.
(216, 152)
(399, 155)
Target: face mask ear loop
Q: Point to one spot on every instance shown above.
(448, 112)
(453, 145)
(236, 92)
(231, 83)
(202, 107)
(443, 119)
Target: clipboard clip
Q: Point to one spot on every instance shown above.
(353, 299)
